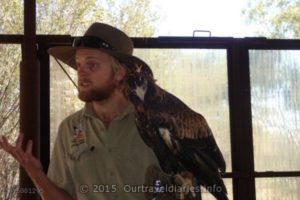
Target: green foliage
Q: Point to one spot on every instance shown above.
(65, 16)
(9, 94)
(135, 17)
(132, 13)
(275, 18)
(73, 16)
(11, 17)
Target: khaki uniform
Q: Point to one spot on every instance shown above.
(95, 163)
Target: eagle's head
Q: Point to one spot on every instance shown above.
(138, 80)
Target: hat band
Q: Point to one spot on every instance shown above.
(91, 42)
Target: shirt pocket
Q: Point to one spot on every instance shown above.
(78, 151)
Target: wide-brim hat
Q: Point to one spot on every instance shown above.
(105, 38)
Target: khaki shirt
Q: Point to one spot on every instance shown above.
(95, 163)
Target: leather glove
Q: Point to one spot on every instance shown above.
(162, 186)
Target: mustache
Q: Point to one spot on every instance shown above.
(84, 80)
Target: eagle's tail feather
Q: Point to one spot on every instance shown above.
(216, 188)
(209, 176)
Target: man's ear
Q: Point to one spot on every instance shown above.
(121, 73)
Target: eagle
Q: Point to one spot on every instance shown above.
(180, 137)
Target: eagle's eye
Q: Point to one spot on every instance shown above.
(141, 79)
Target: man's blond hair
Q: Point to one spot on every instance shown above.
(116, 65)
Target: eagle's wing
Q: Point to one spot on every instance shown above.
(188, 128)
(188, 136)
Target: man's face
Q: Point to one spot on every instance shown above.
(96, 79)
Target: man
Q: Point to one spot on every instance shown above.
(98, 153)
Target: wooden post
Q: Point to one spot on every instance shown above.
(29, 95)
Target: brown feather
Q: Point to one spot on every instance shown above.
(189, 124)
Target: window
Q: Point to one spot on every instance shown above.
(10, 57)
(275, 99)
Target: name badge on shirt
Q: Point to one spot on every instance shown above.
(78, 136)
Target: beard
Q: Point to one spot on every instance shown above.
(97, 94)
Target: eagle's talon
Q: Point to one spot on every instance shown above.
(185, 181)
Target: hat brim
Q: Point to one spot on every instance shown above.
(66, 54)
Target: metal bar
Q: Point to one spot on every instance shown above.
(29, 30)
(171, 42)
(11, 39)
(29, 95)
(55, 40)
(240, 121)
(276, 174)
(43, 57)
(275, 44)
(262, 174)
(182, 42)
(49, 40)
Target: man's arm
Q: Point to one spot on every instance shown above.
(48, 190)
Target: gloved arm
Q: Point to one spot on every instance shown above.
(162, 186)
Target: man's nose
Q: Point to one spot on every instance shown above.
(83, 70)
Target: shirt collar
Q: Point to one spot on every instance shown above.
(88, 111)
